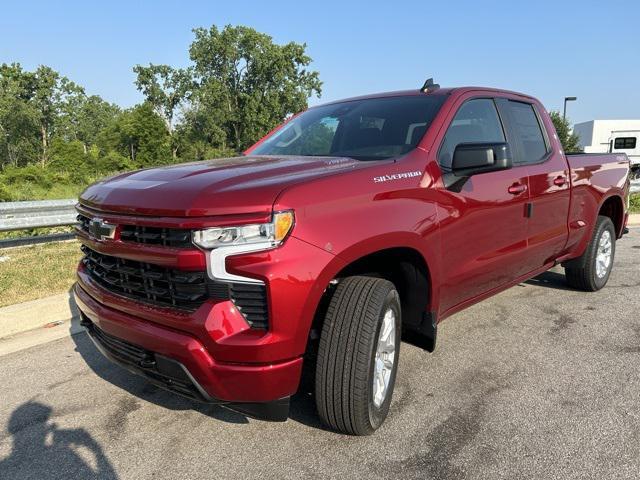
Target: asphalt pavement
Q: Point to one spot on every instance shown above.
(539, 382)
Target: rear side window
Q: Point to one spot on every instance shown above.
(625, 143)
(528, 132)
(477, 121)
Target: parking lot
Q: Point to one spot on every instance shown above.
(539, 382)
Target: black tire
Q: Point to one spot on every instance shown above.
(346, 355)
(581, 273)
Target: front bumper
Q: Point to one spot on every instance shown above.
(215, 354)
(180, 362)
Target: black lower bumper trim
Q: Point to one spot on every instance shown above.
(172, 375)
(276, 411)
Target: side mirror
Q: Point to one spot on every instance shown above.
(474, 158)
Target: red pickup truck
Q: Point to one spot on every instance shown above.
(351, 226)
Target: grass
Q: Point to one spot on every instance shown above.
(28, 273)
(34, 232)
(634, 203)
(32, 191)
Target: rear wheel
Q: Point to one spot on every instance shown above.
(591, 271)
(358, 355)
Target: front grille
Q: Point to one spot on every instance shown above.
(164, 237)
(161, 370)
(83, 223)
(166, 287)
(152, 284)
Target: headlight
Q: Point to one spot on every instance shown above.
(270, 234)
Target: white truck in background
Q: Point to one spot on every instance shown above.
(612, 136)
(627, 141)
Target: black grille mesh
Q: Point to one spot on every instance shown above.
(251, 300)
(167, 287)
(164, 237)
(151, 283)
(83, 223)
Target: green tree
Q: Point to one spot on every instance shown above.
(50, 91)
(248, 84)
(95, 115)
(165, 88)
(68, 156)
(201, 136)
(140, 134)
(18, 117)
(40, 108)
(82, 118)
(569, 140)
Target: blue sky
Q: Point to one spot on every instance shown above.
(547, 49)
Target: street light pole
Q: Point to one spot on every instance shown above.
(567, 99)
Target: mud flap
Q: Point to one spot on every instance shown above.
(423, 335)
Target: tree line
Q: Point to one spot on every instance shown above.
(54, 137)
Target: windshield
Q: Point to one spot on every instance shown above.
(370, 129)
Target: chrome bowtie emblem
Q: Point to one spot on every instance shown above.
(102, 230)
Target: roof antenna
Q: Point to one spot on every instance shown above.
(429, 86)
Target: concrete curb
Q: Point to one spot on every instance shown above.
(44, 312)
(634, 220)
(39, 336)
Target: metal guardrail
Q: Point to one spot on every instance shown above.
(44, 213)
(24, 241)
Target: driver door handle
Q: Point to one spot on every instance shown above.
(517, 188)
(560, 180)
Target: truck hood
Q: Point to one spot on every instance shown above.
(239, 185)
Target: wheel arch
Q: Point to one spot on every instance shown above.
(407, 269)
(402, 261)
(613, 207)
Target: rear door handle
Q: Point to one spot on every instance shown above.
(517, 188)
(560, 180)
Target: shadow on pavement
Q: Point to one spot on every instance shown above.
(302, 408)
(550, 280)
(42, 450)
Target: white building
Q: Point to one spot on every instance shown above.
(599, 136)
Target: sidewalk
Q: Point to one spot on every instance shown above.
(36, 314)
(38, 321)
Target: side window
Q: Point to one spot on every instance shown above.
(625, 143)
(477, 121)
(527, 131)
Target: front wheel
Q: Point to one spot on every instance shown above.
(591, 271)
(358, 355)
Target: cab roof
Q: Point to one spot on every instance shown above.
(437, 91)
